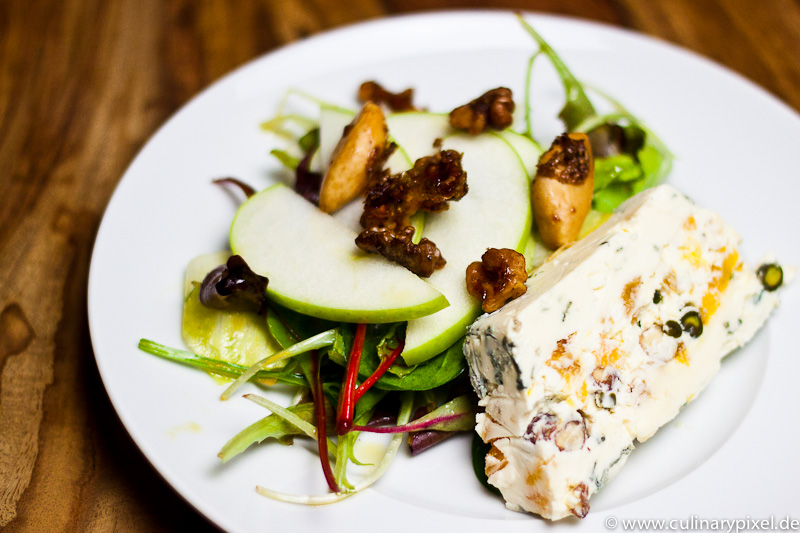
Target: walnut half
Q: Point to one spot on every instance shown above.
(493, 109)
(498, 277)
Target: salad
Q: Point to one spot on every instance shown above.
(366, 345)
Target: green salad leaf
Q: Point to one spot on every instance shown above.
(221, 368)
(289, 161)
(433, 373)
(270, 427)
(628, 156)
(288, 327)
(479, 451)
(578, 107)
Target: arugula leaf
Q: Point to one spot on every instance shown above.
(578, 107)
(289, 161)
(319, 341)
(629, 158)
(222, 368)
(461, 407)
(237, 337)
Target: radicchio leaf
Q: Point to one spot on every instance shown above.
(245, 188)
(307, 184)
(422, 440)
(234, 287)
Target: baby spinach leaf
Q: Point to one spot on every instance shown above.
(479, 451)
(608, 199)
(656, 163)
(437, 371)
(288, 327)
(620, 167)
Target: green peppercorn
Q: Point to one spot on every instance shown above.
(605, 400)
(672, 328)
(771, 276)
(657, 297)
(692, 323)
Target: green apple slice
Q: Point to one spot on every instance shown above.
(332, 121)
(236, 337)
(315, 268)
(495, 213)
(416, 132)
(528, 150)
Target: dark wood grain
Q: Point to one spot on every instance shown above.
(83, 84)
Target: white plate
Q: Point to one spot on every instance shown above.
(737, 153)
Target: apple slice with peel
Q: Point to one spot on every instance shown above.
(415, 132)
(315, 268)
(527, 149)
(495, 213)
(332, 122)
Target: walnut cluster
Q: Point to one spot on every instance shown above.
(371, 91)
(422, 259)
(498, 277)
(493, 109)
(392, 199)
(567, 160)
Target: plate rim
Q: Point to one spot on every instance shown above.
(340, 32)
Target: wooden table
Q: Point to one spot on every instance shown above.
(83, 85)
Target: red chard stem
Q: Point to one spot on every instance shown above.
(322, 437)
(347, 399)
(381, 370)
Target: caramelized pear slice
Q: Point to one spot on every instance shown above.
(561, 194)
(346, 176)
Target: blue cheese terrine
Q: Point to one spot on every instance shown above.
(614, 335)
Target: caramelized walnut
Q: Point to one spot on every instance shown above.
(568, 161)
(499, 277)
(432, 182)
(371, 91)
(393, 199)
(493, 109)
(421, 259)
